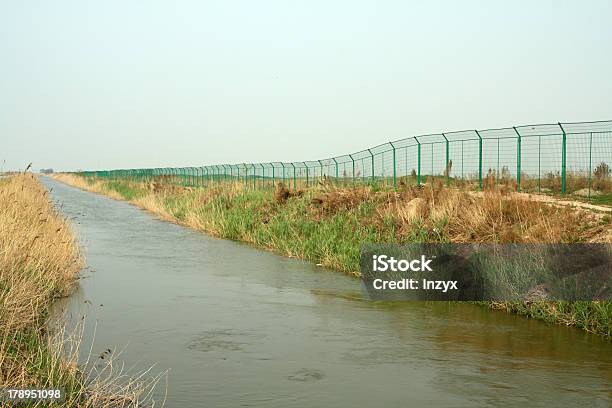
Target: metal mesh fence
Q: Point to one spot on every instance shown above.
(549, 158)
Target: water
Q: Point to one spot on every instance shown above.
(238, 326)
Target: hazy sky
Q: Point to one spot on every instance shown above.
(119, 84)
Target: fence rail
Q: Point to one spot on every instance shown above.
(550, 158)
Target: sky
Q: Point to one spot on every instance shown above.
(131, 84)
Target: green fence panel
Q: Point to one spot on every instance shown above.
(559, 158)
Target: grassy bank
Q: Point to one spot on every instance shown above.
(39, 262)
(327, 225)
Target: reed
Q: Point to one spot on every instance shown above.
(40, 260)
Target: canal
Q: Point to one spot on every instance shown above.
(238, 326)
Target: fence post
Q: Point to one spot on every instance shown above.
(305, 165)
(563, 160)
(263, 176)
(447, 170)
(479, 159)
(590, 160)
(394, 167)
(246, 176)
(418, 161)
(372, 158)
(337, 173)
(254, 173)
(254, 177)
(321, 171)
(294, 178)
(283, 166)
(539, 164)
(353, 160)
(518, 159)
(273, 175)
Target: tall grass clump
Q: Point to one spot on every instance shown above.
(327, 224)
(39, 262)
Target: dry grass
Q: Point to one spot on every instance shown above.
(459, 215)
(39, 254)
(282, 193)
(39, 261)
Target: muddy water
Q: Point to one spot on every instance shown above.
(237, 326)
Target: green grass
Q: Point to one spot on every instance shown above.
(127, 190)
(603, 199)
(591, 316)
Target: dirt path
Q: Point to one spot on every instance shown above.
(565, 202)
(558, 201)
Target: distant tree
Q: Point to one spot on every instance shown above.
(602, 171)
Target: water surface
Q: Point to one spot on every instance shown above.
(238, 326)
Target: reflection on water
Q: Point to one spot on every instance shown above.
(240, 326)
